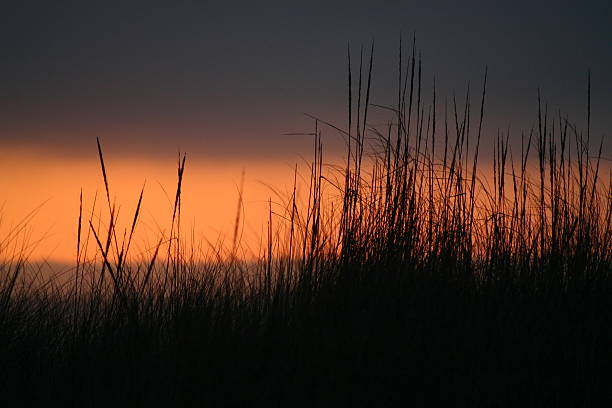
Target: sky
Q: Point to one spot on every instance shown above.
(226, 81)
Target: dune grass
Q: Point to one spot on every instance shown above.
(423, 283)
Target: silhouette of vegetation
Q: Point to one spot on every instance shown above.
(423, 283)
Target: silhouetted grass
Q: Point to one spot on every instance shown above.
(422, 284)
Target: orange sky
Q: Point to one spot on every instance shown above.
(210, 197)
(51, 186)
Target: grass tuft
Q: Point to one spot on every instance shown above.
(429, 280)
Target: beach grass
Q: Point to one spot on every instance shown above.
(427, 279)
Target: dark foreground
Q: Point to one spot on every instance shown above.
(424, 340)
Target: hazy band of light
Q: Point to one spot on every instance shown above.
(210, 198)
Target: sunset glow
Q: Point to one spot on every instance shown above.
(50, 187)
(305, 204)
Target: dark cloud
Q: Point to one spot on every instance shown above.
(231, 78)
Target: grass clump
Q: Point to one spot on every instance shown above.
(424, 282)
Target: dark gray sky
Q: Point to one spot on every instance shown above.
(229, 78)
